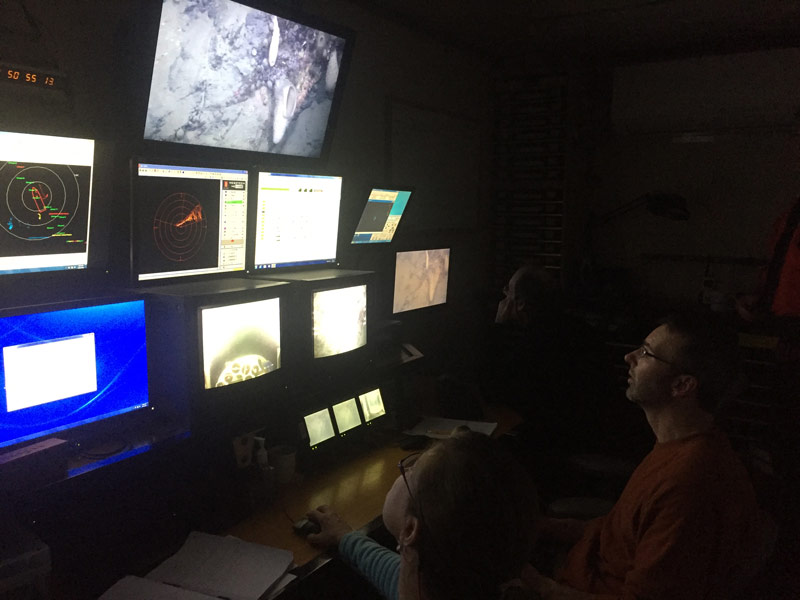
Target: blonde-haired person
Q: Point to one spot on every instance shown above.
(463, 514)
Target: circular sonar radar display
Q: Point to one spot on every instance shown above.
(40, 200)
(179, 227)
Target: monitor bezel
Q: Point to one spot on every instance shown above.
(133, 254)
(275, 272)
(121, 423)
(145, 47)
(379, 186)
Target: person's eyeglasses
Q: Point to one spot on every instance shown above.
(405, 465)
(641, 352)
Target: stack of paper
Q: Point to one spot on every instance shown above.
(208, 567)
(439, 428)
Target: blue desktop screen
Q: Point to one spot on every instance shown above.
(68, 367)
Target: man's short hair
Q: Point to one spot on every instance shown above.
(709, 352)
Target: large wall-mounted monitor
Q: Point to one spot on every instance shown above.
(297, 220)
(240, 341)
(420, 279)
(45, 202)
(381, 215)
(339, 320)
(187, 220)
(228, 75)
(67, 367)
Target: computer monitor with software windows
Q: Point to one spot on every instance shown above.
(297, 220)
(46, 192)
(187, 220)
(66, 367)
(381, 216)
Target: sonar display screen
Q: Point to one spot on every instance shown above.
(188, 221)
(45, 201)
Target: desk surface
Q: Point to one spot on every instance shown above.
(355, 489)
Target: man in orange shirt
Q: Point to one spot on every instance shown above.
(686, 519)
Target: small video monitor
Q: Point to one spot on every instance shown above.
(62, 368)
(381, 216)
(319, 426)
(240, 341)
(420, 279)
(46, 191)
(187, 220)
(372, 405)
(339, 320)
(346, 415)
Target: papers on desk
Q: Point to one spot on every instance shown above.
(440, 428)
(209, 567)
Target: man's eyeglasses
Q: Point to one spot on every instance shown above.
(641, 352)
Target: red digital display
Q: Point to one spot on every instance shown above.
(31, 77)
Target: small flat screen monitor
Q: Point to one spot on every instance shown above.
(63, 368)
(45, 202)
(319, 426)
(372, 405)
(188, 220)
(297, 220)
(226, 75)
(346, 415)
(420, 279)
(381, 216)
(339, 320)
(240, 341)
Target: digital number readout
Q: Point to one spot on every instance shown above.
(30, 77)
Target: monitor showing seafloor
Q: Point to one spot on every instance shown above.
(420, 279)
(227, 75)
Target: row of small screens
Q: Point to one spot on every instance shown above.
(186, 220)
(345, 415)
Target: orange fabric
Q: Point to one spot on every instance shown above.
(677, 531)
(786, 301)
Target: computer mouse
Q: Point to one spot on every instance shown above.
(305, 527)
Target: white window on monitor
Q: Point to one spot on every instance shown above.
(346, 415)
(240, 341)
(319, 427)
(340, 320)
(47, 187)
(188, 220)
(372, 405)
(420, 279)
(71, 371)
(297, 220)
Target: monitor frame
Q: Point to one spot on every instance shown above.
(137, 229)
(144, 48)
(125, 423)
(410, 190)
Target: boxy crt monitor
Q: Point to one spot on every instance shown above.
(381, 216)
(346, 415)
(420, 279)
(226, 75)
(240, 341)
(297, 220)
(45, 202)
(372, 405)
(62, 368)
(187, 220)
(319, 426)
(339, 320)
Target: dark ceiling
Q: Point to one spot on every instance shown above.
(615, 30)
